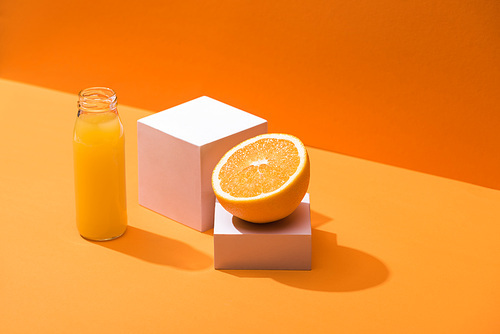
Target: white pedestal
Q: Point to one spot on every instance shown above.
(284, 244)
(178, 149)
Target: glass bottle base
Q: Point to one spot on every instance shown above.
(106, 239)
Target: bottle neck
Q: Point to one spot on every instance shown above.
(97, 100)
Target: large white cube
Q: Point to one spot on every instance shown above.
(178, 149)
(284, 244)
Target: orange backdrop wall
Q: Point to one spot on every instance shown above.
(414, 84)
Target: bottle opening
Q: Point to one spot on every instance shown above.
(97, 99)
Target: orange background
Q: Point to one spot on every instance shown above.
(409, 83)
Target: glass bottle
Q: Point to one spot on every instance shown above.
(99, 164)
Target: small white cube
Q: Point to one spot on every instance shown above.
(178, 149)
(284, 244)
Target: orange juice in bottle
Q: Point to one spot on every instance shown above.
(99, 164)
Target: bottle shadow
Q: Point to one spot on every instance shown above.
(158, 249)
(335, 268)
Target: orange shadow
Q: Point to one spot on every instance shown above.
(334, 268)
(318, 219)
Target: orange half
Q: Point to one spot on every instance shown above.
(264, 178)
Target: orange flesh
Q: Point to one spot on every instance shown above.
(260, 167)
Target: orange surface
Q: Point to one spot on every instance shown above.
(394, 251)
(408, 83)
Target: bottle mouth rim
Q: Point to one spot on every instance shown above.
(97, 99)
